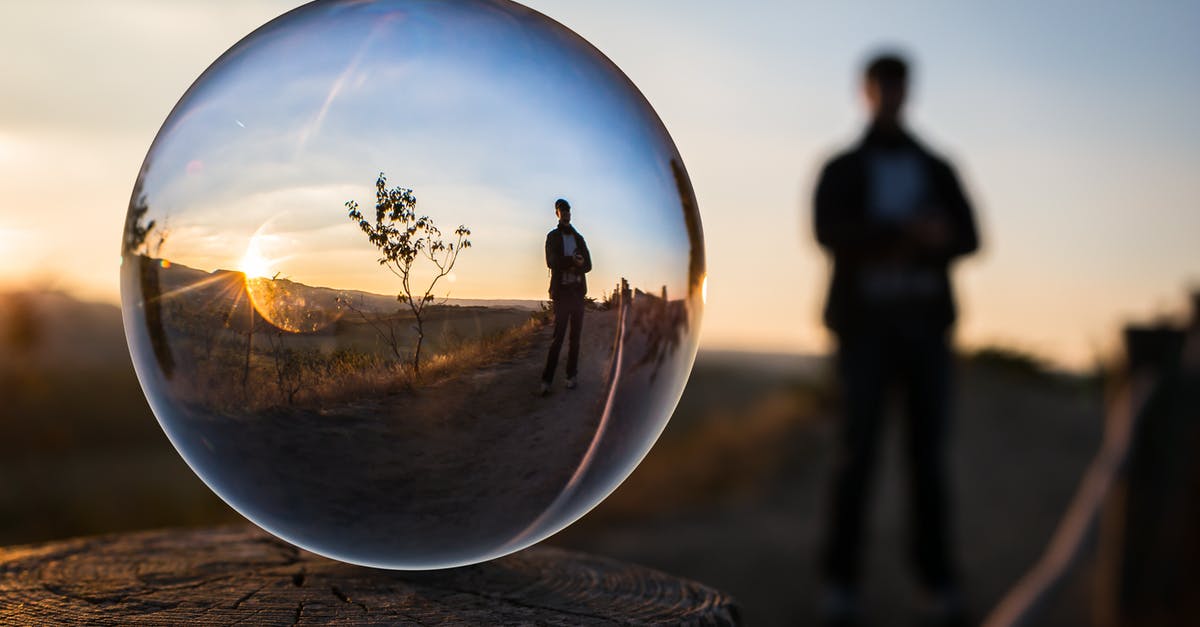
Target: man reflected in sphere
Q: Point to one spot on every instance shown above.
(569, 261)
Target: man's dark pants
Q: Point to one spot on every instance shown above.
(870, 361)
(568, 309)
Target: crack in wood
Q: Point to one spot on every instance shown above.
(346, 599)
(249, 617)
(186, 582)
(246, 597)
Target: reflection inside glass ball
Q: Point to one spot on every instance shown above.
(413, 284)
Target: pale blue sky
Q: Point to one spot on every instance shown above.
(1072, 124)
(487, 118)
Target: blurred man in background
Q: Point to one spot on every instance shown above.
(893, 217)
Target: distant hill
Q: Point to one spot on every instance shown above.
(178, 276)
(41, 328)
(797, 365)
(54, 329)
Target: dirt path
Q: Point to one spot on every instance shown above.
(435, 474)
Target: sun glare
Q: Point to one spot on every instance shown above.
(254, 265)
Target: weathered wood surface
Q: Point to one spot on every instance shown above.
(240, 575)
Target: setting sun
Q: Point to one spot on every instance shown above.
(254, 264)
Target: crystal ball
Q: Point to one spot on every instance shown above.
(412, 284)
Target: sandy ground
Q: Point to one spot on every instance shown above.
(424, 476)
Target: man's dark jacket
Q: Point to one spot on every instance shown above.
(557, 262)
(845, 229)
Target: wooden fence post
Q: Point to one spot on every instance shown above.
(1149, 564)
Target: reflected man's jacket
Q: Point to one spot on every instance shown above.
(560, 264)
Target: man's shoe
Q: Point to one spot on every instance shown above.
(840, 607)
(570, 383)
(944, 607)
(544, 389)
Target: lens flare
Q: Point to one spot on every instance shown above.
(280, 301)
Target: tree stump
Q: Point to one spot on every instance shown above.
(240, 574)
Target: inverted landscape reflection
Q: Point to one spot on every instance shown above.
(336, 267)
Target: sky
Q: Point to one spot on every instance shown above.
(487, 118)
(1071, 124)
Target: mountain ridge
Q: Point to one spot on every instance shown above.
(175, 274)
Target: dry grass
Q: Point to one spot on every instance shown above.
(728, 453)
(472, 355)
(308, 378)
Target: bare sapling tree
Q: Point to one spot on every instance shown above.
(402, 238)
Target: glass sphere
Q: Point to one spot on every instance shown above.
(345, 269)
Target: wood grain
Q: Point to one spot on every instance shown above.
(241, 575)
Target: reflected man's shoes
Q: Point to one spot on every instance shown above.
(543, 389)
(570, 383)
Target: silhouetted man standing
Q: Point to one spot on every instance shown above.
(893, 217)
(569, 261)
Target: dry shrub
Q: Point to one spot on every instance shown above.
(481, 353)
(283, 377)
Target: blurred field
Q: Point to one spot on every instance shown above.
(732, 494)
